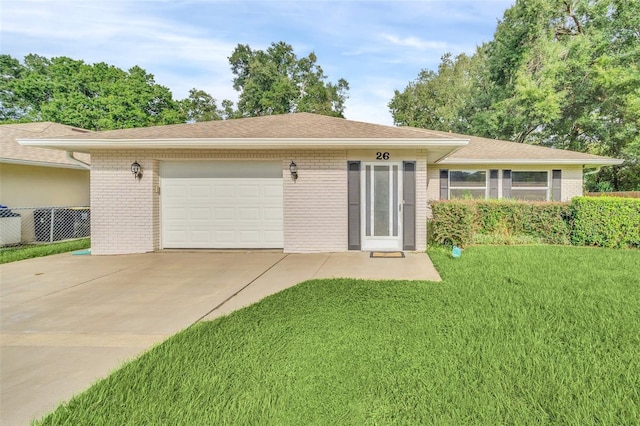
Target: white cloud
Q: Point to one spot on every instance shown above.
(414, 42)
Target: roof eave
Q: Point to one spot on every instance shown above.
(87, 145)
(530, 162)
(40, 163)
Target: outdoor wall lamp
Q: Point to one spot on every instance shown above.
(136, 169)
(293, 168)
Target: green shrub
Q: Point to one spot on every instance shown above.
(453, 222)
(606, 221)
(463, 222)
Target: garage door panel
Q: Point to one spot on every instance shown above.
(200, 214)
(175, 237)
(224, 191)
(199, 192)
(272, 236)
(248, 214)
(272, 213)
(249, 236)
(175, 213)
(221, 212)
(249, 192)
(225, 236)
(200, 236)
(224, 213)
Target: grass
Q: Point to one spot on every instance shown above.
(21, 253)
(512, 335)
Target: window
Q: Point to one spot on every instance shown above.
(468, 184)
(533, 186)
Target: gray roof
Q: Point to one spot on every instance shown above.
(12, 152)
(311, 131)
(484, 150)
(284, 126)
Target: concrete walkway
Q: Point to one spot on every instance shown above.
(67, 321)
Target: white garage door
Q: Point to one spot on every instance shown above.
(221, 204)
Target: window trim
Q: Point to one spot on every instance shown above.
(485, 187)
(547, 188)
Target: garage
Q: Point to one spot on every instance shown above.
(221, 204)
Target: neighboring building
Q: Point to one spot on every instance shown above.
(36, 177)
(301, 182)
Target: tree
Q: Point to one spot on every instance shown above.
(558, 73)
(275, 81)
(201, 106)
(437, 100)
(96, 97)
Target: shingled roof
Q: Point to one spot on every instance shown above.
(484, 150)
(313, 131)
(12, 152)
(283, 126)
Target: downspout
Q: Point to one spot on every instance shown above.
(73, 159)
(596, 170)
(584, 184)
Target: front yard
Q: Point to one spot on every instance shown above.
(516, 335)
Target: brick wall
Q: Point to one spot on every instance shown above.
(126, 212)
(121, 206)
(315, 205)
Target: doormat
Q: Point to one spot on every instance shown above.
(387, 254)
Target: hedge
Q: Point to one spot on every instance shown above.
(463, 222)
(606, 221)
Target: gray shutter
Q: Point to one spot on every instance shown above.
(409, 205)
(506, 184)
(444, 184)
(353, 195)
(556, 185)
(493, 184)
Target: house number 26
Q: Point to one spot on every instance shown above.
(382, 155)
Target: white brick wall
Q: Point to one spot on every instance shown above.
(126, 212)
(315, 205)
(121, 206)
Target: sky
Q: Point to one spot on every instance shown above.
(377, 46)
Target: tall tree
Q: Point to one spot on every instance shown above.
(437, 100)
(275, 81)
(97, 97)
(201, 106)
(560, 73)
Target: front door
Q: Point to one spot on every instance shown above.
(381, 189)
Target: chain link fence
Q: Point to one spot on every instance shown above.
(42, 225)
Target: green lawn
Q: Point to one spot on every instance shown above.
(512, 335)
(28, 252)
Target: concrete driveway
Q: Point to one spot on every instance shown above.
(67, 321)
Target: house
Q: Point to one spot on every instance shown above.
(300, 182)
(36, 177)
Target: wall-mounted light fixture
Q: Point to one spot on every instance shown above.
(136, 169)
(293, 168)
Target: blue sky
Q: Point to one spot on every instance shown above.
(377, 46)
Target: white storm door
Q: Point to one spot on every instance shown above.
(382, 207)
